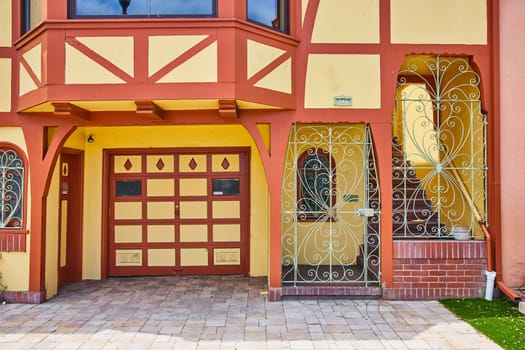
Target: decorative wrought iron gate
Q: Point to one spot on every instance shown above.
(330, 206)
(439, 149)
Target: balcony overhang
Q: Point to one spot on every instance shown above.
(77, 68)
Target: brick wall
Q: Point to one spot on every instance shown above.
(438, 270)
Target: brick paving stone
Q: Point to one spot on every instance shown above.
(224, 313)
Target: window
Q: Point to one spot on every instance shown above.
(270, 13)
(316, 183)
(31, 13)
(142, 8)
(12, 180)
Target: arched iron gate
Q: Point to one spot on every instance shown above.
(439, 149)
(330, 206)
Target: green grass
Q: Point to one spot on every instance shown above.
(499, 319)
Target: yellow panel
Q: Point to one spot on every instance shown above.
(26, 82)
(225, 162)
(161, 233)
(228, 256)
(194, 257)
(81, 69)
(6, 28)
(193, 210)
(227, 233)
(161, 210)
(33, 58)
(128, 210)
(5, 84)
(259, 56)
(193, 187)
(201, 68)
(128, 234)
(226, 209)
(128, 257)
(279, 79)
(161, 187)
(116, 49)
(164, 49)
(194, 233)
(347, 22)
(192, 163)
(160, 164)
(351, 75)
(63, 233)
(133, 163)
(161, 257)
(439, 22)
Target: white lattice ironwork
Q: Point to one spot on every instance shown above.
(330, 206)
(11, 189)
(439, 149)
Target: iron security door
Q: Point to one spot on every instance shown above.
(330, 206)
(178, 212)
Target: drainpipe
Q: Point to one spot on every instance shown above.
(491, 274)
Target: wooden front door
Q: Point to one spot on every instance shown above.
(70, 213)
(178, 212)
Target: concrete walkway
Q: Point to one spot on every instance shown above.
(211, 312)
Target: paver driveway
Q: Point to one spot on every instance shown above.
(224, 312)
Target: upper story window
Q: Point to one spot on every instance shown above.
(12, 182)
(270, 13)
(142, 8)
(31, 11)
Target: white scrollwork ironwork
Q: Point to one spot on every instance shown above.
(11, 189)
(439, 148)
(330, 175)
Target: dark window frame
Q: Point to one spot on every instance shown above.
(5, 176)
(72, 13)
(308, 208)
(282, 21)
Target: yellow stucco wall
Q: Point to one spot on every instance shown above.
(343, 21)
(5, 23)
(166, 136)
(439, 22)
(15, 265)
(336, 74)
(5, 84)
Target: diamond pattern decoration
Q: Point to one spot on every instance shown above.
(192, 164)
(160, 164)
(225, 164)
(128, 165)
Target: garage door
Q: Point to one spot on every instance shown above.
(178, 212)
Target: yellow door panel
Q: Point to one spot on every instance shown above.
(128, 210)
(128, 233)
(127, 164)
(63, 233)
(193, 187)
(161, 187)
(225, 162)
(161, 233)
(190, 163)
(226, 210)
(128, 257)
(193, 233)
(160, 163)
(161, 210)
(193, 210)
(194, 257)
(226, 233)
(161, 257)
(226, 256)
